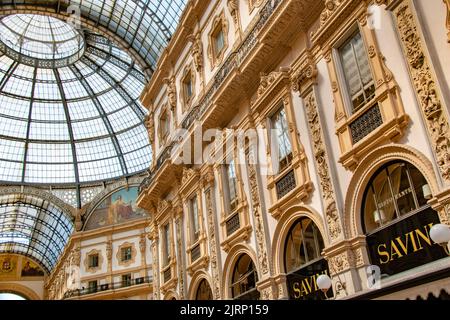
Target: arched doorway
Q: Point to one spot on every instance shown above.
(204, 291)
(397, 219)
(303, 261)
(244, 279)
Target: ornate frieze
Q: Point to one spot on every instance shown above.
(426, 86)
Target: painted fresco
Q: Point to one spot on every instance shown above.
(117, 208)
(8, 265)
(31, 269)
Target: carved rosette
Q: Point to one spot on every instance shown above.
(180, 263)
(259, 224)
(212, 244)
(428, 92)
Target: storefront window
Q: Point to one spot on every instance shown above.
(396, 190)
(204, 291)
(244, 279)
(304, 244)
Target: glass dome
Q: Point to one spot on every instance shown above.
(67, 122)
(40, 37)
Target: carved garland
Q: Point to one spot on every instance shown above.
(208, 180)
(427, 90)
(180, 263)
(259, 224)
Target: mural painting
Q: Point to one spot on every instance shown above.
(116, 208)
(8, 266)
(31, 269)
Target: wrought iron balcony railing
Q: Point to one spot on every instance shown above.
(233, 61)
(106, 287)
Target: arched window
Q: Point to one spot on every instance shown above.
(396, 190)
(244, 279)
(204, 291)
(304, 245)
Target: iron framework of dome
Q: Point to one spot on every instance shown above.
(71, 123)
(146, 26)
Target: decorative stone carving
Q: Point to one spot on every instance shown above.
(171, 92)
(233, 7)
(339, 263)
(142, 244)
(109, 251)
(447, 20)
(330, 8)
(427, 90)
(197, 51)
(266, 81)
(180, 262)
(333, 221)
(212, 243)
(150, 125)
(259, 223)
(320, 153)
(155, 267)
(188, 173)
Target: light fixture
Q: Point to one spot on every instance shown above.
(440, 234)
(379, 216)
(427, 191)
(324, 283)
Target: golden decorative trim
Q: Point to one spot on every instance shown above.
(426, 87)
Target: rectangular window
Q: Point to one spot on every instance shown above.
(281, 131)
(166, 244)
(219, 41)
(194, 219)
(187, 86)
(93, 261)
(92, 285)
(357, 72)
(231, 183)
(164, 125)
(126, 280)
(126, 254)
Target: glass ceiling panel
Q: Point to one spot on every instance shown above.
(74, 124)
(145, 25)
(33, 227)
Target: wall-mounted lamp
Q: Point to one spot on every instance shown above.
(427, 191)
(440, 234)
(324, 283)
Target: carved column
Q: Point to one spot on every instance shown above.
(208, 185)
(142, 248)
(266, 285)
(428, 92)
(233, 7)
(304, 81)
(181, 268)
(425, 83)
(109, 249)
(154, 238)
(197, 56)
